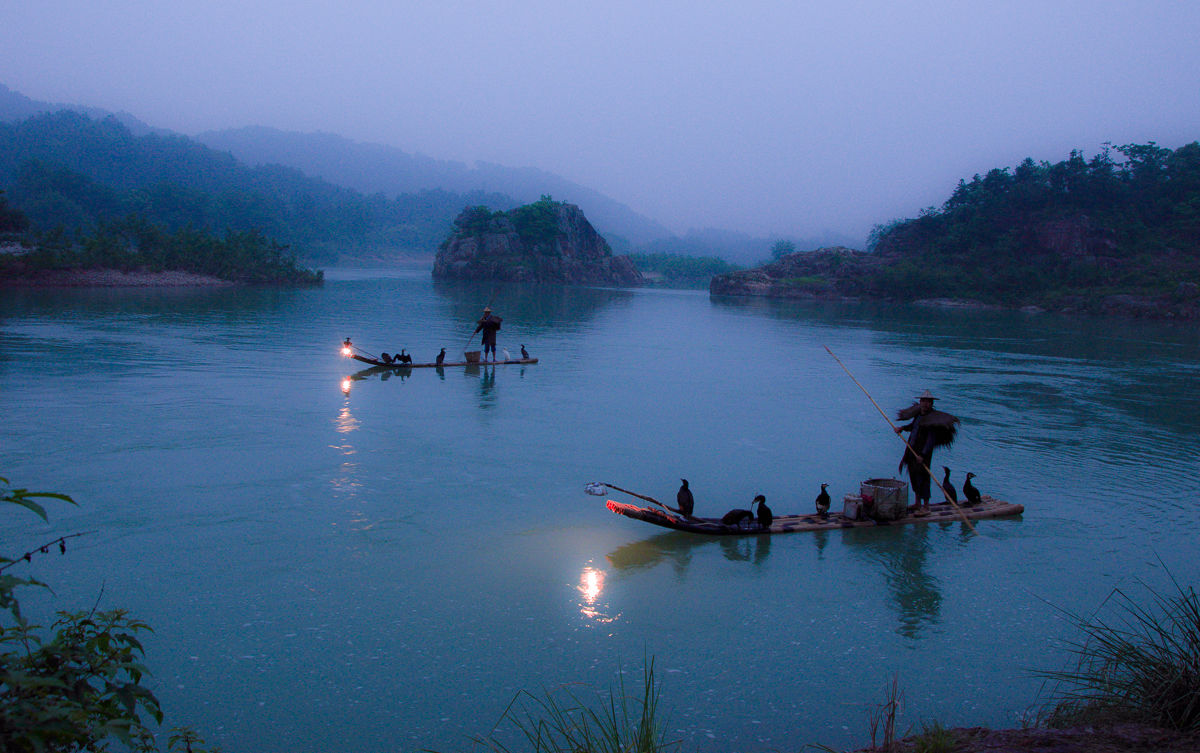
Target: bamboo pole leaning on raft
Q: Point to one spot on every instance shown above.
(907, 447)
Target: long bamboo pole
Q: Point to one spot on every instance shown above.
(907, 447)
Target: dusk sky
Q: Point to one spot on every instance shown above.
(771, 118)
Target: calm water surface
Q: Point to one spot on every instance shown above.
(383, 569)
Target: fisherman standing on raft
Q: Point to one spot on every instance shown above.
(928, 429)
(489, 323)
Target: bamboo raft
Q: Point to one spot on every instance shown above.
(445, 364)
(989, 507)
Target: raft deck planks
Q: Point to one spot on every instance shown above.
(382, 365)
(990, 507)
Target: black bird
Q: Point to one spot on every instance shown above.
(441, 357)
(950, 492)
(524, 353)
(823, 502)
(404, 357)
(970, 492)
(735, 517)
(385, 357)
(683, 498)
(765, 516)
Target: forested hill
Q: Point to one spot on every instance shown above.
(67, 170)
(1102, 235)
(380, 168)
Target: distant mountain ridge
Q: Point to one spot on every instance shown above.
(374, 169)
(15, 106)
(66, 170)
(378, 168)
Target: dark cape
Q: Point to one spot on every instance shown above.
(489, 324)
(926, 433)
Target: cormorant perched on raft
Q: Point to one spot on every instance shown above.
(736, 516)
(970, 492)
(441, 357)
(683, 498)
(524, 353)
(765, 516)
(823, 502)
(950, 491)
(403, 357)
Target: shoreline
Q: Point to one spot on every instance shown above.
(113, 278)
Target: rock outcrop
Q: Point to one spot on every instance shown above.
(546, 241)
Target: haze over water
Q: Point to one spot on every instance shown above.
(383, 569)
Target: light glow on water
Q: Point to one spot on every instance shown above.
(591, 586)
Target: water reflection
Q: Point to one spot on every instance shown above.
(345, 424)
(901, 553)
(487, 383)
(676, 548)
(1012, 361)
(591, 586)
(533, 307)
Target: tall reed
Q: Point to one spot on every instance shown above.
(563, 721)
(1144, 666)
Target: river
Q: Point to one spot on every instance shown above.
(384, 567)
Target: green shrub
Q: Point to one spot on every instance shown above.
(78, 685)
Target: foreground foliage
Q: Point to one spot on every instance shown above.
(565, 722)
(79, 684)
(1142, 667)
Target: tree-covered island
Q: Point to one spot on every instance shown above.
(1095, 236)
(545, 241)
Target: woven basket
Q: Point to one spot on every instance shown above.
(472, 356)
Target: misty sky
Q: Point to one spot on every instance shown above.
(772, 118)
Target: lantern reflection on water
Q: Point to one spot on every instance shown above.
(591, 585)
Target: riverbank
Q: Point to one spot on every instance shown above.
(112, 278)
(1118, 738)
(843, 274)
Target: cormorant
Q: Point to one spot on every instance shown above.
(441, 357)
(765, 516)
(684, 499)
(950, 492)
(970, 492)
(524, 353)
(736, 516)
(385, 357)
(823, 502)
(404, 357)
